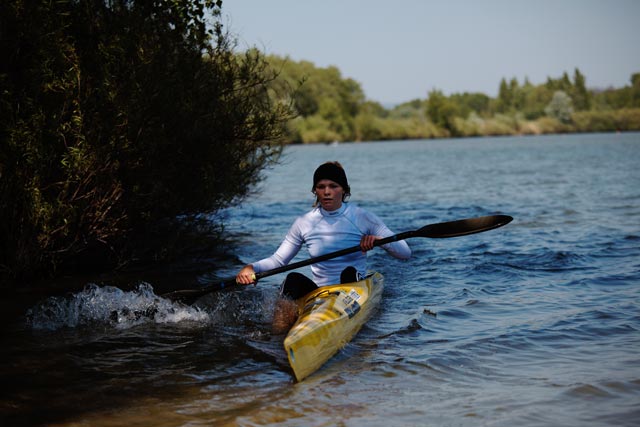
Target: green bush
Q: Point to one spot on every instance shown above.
(607, 121)
(628, 119)
(116, 118)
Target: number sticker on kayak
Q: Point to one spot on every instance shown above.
(351, 303)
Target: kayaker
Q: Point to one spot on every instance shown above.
(333, 224)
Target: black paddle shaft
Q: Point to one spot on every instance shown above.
(441, 230)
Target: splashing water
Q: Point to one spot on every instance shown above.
(108, 305)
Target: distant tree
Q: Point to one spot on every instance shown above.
(505, 97)
(471, 102)
(373, 108)
(441, 111)
(351, 95)
(614, 99)
(635, 90)
(413, 108)
(518, 94)
(562, 84)
(566, 81)
(579, 92)
(321, 95)
(560, 107)
(536, 100)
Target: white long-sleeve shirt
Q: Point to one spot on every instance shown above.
(323, 232)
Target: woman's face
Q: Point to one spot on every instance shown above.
(329, 194)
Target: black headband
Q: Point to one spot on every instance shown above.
(332, 172)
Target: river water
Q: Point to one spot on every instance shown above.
(533, 324)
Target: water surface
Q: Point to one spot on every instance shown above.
(533, 324)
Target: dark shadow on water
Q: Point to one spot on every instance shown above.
(65, 375)
(62, 376)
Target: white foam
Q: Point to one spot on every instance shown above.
(108, 305)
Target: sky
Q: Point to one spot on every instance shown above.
(401, 50)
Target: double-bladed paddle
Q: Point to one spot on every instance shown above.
(441, 230)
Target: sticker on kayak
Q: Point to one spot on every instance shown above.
(351, 303)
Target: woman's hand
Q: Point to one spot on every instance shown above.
(246, 276)
(367, 241)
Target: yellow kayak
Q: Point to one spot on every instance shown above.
(328, 319)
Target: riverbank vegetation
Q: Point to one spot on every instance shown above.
(120, 124)
(330, 107)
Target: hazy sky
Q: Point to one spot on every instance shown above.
(400, 50)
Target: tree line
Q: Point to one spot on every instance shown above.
(330, 107)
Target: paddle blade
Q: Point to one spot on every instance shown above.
(463, 227)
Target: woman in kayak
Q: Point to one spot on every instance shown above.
(332, 225)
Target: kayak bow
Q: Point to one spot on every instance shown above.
(329, 318)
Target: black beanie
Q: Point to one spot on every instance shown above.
(333, 172)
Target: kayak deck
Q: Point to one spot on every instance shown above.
(328, 319)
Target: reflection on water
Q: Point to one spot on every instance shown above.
(532, 324)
